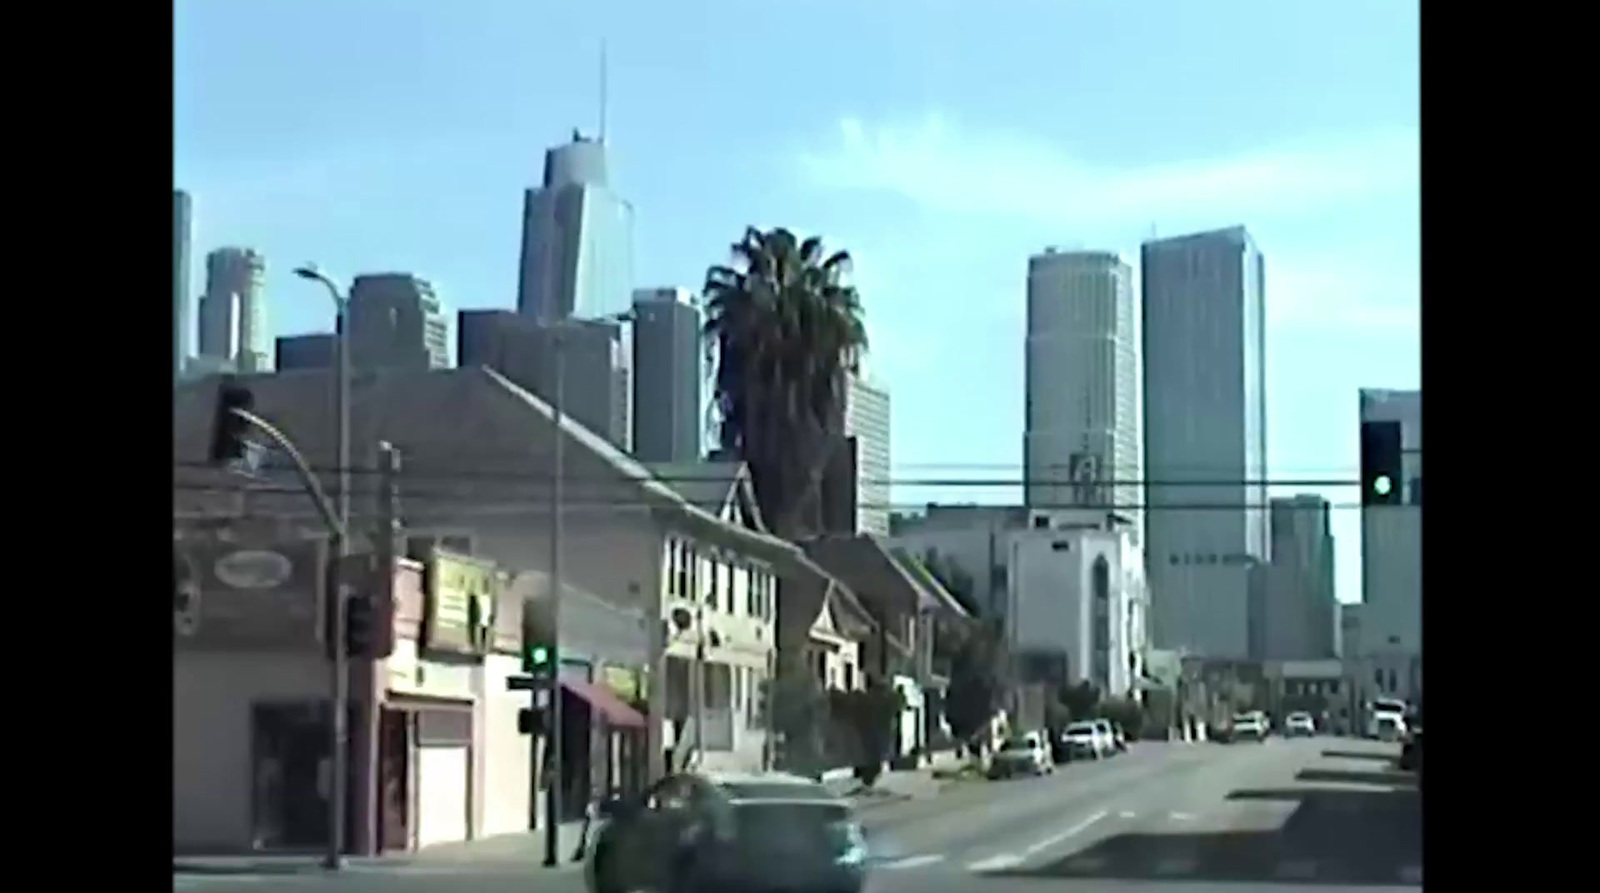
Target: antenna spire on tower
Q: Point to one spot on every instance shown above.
(602, 129)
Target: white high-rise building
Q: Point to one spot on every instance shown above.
(866, 418)
(1082, 382)
(233, 312)
(1391, 558)
(1205, 439)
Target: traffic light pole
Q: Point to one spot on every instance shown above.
(339, 666)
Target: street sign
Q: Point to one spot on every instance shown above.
(522, 683)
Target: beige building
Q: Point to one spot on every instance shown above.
(476, 457)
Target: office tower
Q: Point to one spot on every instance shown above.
(233, 311)
(577, 239)
(1204, 345)
(866, 424)
(182, 326)
(314, 351)
(667, 375)
(1082, 381)
(1300, 616)
(596, 388)
(396, 322)
(1391, 556)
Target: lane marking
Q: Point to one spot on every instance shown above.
(995, 863)
(913, 861)
(1299, 869)
(1176, 865)
(1126, 814)
(1054, 839)
(1411, 874)
(1181, 816)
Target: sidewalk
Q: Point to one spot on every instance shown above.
(515, 852)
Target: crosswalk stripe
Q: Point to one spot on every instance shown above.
(995, 863)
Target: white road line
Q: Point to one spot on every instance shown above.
(913, 861)
(1181, 816)
(995, 863)
(1054, 839)
(1299, 869)
(1126, 814)
(1411, 874)
(1176, 865)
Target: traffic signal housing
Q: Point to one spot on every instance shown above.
(228, 427)
(531, 721)
(539, 661)
(1381, 465)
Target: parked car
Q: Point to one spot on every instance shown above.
(1084, 740)
(725, 833)
(1248, 727)
(1299, 724)
(1108, 734)
(1024, 754)
(1389, 727)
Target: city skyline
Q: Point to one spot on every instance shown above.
(424, 171)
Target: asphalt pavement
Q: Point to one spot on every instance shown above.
(1176, 818)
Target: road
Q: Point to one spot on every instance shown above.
(1165, 818)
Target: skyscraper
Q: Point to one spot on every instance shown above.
(1300, 612)
(866, 424)
(1391, 554)
(396, 322)
(182, 326)
(595, 381)
(577, 239)
(233, 312)
(1205, 435)
(1082, 380)
(667, 376)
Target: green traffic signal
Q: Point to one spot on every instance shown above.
(539, 655)
(1381, 485)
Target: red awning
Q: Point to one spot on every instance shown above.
(607, 705)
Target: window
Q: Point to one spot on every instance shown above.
(680, 572)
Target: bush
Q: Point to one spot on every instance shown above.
(870, 713)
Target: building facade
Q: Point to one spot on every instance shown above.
(1301, 619)
(968, 541)
(397, 322)
(319, 350)
(577, 239)
(1391, 557)
(1204, 344)
(866, 420)
(667, 376)
(182, 323)
(595, 383)
(1079, 607)
(233, 311)
(1082, 388)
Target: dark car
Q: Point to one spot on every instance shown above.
(717, 833)
(1411, 751)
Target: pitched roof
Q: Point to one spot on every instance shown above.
(930, 584)
(713, 485)
(445, 407)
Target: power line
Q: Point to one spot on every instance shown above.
(538, 502)
(619, 479)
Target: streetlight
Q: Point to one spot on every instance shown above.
(339, 683)
(557, 398)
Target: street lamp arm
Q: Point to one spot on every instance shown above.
(324, 507)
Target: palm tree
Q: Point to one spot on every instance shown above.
(783, 328)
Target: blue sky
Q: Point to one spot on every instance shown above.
(940, 141)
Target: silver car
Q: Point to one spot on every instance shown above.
(724, 833)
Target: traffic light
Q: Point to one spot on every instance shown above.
(359, 624)
(1381, 464)
(531, 721)
(539, 661)
(228, 428)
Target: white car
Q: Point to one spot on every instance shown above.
(1299, 724)
(1025, 754)
(1249, 727)
(1108, 736)
(1085, 740)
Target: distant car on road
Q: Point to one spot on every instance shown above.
(1084, 740)
(1389, 727)
(1108, 734)
(1299, 724)
(1248, 727)
(728, 833)
(1024, 754)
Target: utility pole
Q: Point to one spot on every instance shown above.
(557, 768)
(699, 673)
